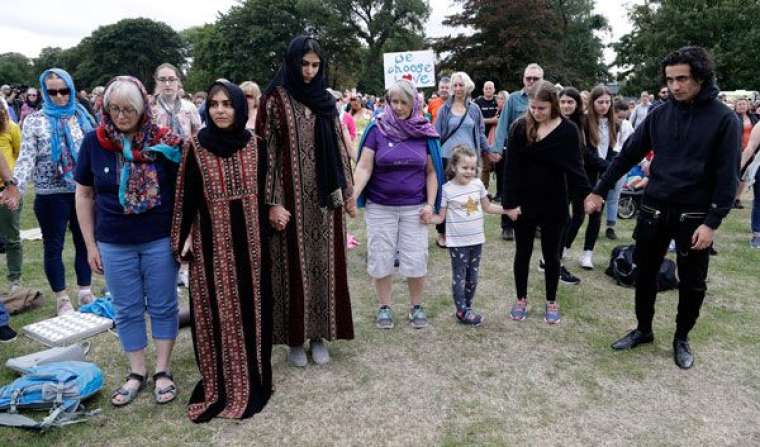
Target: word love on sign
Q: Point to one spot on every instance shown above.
(416, 66)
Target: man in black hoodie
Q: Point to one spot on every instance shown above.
(693, 179)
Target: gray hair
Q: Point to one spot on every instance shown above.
(98, 90)
(127, 90)
(405, 89)
(469, 86)
(503, 95)
(535, 66)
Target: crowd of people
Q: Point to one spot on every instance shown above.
(243, 196)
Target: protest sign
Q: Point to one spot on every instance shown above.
(417, 66)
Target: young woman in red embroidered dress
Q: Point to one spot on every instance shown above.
(217, 227)
(308, 187)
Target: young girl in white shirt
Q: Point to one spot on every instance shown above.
(464, 202)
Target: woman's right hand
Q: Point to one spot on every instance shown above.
(279, 217)
(514, 213)
(93, 258)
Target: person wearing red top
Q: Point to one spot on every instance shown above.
(444, 84)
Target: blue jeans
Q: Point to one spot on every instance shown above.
(613, 197)
(756, 204)
(140, 277)
(54, 212)
(5, 319)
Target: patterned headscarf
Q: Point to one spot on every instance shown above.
(139, 183)
(64, 151)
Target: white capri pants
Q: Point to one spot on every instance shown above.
(392, 229)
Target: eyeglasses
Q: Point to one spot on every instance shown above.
(59, 92)
(532, 78)
(127, 112)
(167, 80)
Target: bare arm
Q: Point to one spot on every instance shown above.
(85, 207)
(363, 171)
(749, 151)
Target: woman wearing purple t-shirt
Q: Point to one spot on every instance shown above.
(398, 179)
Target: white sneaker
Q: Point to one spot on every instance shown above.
(586, 261)
(63, 306)
(565, 252)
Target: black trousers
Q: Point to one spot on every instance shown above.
(592, 230)
(655, 227)
(551, 238)
(576, 220)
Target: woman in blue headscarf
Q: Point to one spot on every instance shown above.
(49, 150)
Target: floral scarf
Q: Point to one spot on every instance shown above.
(138, 182)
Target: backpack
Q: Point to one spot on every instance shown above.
(21, 300)
(622, 268)
(58, 387)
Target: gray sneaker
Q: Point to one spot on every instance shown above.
(297, 356)
(519, 310)
(319, 352)
(755, 242)
(417, 317)
(384, 319)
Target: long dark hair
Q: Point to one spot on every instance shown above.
(577, 117)
(546, 92)
(592, 119)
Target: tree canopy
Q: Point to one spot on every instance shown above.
(559, 35)
(15, 68)
(725, 27)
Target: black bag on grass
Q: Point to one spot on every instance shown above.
(623, 270)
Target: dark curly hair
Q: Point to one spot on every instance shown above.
(697, 58)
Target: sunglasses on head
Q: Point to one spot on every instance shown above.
(59, 92)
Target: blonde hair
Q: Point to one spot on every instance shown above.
(251, 88)
(460, 151)
(469, 86)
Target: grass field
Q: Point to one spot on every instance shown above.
(505, 383)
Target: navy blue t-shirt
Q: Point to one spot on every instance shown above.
(100, 169)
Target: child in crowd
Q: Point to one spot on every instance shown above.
(464, 202)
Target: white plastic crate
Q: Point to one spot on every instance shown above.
(67, 329)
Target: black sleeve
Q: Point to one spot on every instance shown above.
(726, 173)
(577, 182)
(512, 162)
(634, 149)
(187, 198)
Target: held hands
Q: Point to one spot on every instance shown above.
(514, 213)
(702, 237)
(187, 249)
(493, 157)
(426, 214)
(593, 203)
(279, 217)
(350, 207)
(10, 197)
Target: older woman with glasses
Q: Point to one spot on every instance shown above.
(32, 103)
(49, 152)
(170, 109)
(124, 196)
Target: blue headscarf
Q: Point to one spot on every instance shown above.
(58, 117)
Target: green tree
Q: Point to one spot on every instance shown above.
(727, 28)
(131, 46)
(507, 35)
(15, 68)
(250, 40)
(382, 26)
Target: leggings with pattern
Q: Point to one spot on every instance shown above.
(465, 265)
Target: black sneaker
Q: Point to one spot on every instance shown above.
(565, 277)
(541, 265)
(508, 234)
(7, 334)
(610, 233)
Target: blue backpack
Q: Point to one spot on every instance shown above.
(58, 387)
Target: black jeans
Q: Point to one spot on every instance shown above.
(551, 235)
(592, 229)
(576, 220)
(655, 227)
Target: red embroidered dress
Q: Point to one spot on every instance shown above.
(217, 203)
(310, 293)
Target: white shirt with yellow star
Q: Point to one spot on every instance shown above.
(464, 215)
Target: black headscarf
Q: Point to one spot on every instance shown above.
(225, 142)
(314, 95)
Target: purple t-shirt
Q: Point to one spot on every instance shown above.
(398, 175)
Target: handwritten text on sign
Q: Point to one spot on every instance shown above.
(417, 65)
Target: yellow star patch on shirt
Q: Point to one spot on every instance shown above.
(471, 206)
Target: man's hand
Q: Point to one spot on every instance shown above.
(702, 237)
(593, 203)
